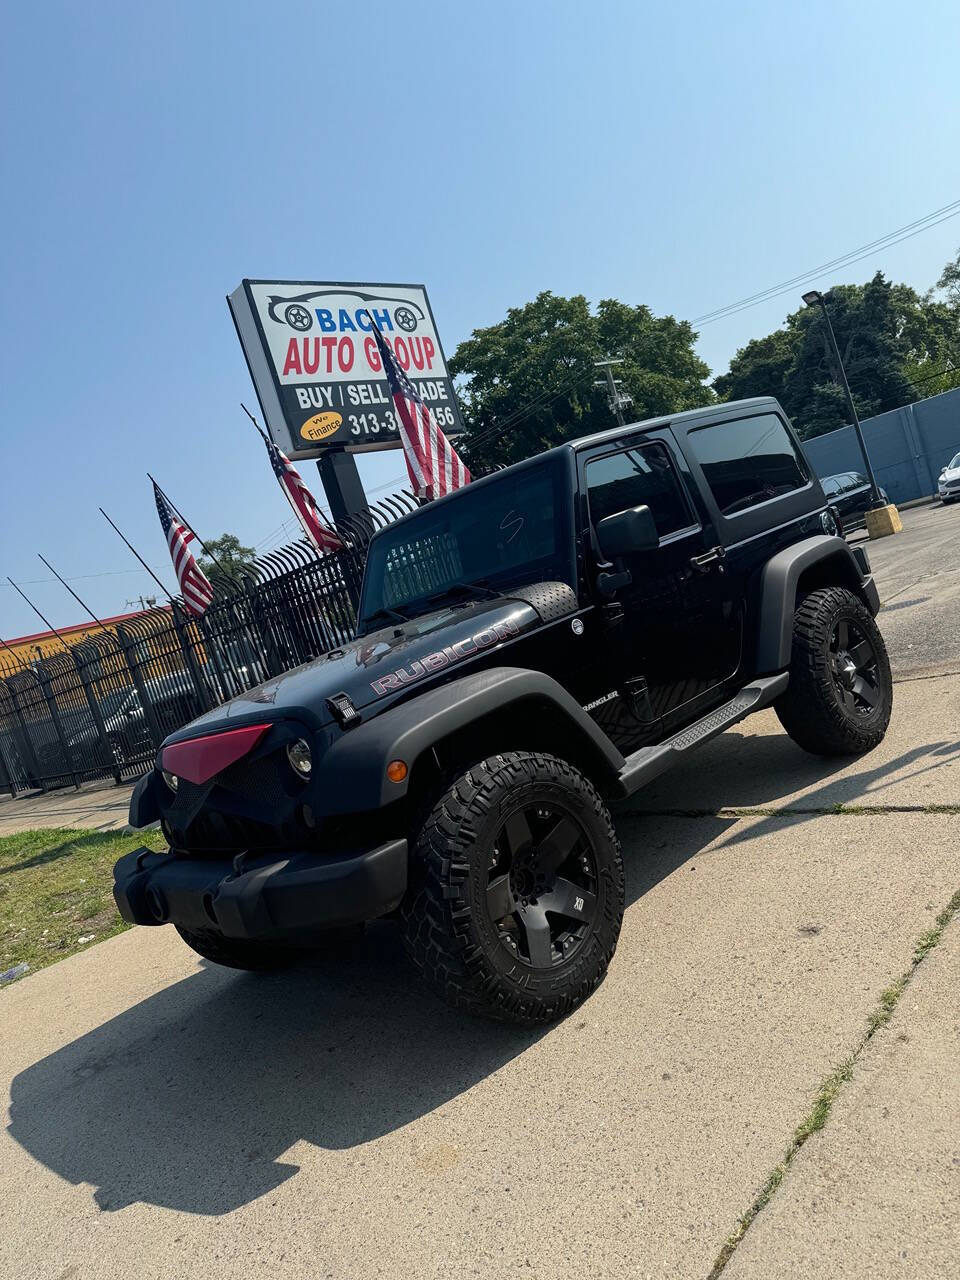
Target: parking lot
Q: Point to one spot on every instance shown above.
(168, 1118)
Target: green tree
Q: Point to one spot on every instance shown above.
(949, 283)
(227, 561)
(528, 382)
(896, 347)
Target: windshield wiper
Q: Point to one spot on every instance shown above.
(391, 615)
(481, 588)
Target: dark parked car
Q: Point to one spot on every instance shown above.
(849, 492)
(564, 631)
(174, 701)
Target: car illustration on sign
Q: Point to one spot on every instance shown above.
(298, 314)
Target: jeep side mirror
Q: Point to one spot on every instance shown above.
(627, 532)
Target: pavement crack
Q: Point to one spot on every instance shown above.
(832, 1085)
(788, 811)
(907, 678)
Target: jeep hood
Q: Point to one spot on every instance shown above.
(378, 667)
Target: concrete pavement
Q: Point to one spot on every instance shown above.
(96, 806)
(918, 574)
(877, 1192)
(171, 1119)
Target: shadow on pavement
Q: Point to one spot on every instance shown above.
(740, 771)
(189, 1099)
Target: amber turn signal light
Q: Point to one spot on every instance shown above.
(396, 770)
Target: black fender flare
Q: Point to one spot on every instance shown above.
(353, 772)
(778, 592)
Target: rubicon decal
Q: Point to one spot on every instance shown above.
(445, 657)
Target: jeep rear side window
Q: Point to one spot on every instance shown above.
(643, 477)
(747, 461)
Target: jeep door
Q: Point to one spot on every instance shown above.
(678, 640)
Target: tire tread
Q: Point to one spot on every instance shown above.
(437, 918)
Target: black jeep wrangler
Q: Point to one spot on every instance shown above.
(529, 648)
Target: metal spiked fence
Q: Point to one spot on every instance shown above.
(101, 708)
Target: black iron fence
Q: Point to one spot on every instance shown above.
(101, 708)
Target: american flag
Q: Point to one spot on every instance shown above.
(301, 499)
(195, 586)
(433, 465)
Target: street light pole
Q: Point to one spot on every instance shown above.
(814, 298)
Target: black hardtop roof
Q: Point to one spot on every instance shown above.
(714, 412)
(731, 408)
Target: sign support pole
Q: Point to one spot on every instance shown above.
(341, 484)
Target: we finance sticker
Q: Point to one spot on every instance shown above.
(320, 426)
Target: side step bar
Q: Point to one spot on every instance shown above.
(644, 765)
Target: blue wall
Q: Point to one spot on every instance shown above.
(908, 447)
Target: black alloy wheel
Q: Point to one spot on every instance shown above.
(542, 885)
(853, 662)
(840, 695)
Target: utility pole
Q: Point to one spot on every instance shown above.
(815, 298)
(881, 518)
(618, 399)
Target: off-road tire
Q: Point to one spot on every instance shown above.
(447, 928)
(812, 710)
(239, 953)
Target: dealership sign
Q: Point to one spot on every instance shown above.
(314, 361)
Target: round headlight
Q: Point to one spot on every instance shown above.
(171, 779)
(300, 757)
(828, 523)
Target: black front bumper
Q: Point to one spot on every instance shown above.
(266, 897)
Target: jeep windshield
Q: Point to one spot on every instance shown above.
(488, 537)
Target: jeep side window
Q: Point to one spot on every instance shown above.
(643, 476)
(748, 461)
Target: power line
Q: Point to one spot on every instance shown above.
(847, 259)
(79, 577)
(834, 261)
(539, 402)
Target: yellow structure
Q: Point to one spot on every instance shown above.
(43, 644)
(883, 520)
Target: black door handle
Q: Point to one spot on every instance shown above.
(710, 559)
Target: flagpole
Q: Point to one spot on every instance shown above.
(138, 555)
(82, 605)
(47, 624)
(266, 440)
(16, 657)
(175, 508)
(263, 434)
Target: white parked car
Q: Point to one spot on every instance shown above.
(949, 482)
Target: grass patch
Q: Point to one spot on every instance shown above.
(56, 888)
(831, 1087)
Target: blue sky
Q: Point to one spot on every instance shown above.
(682, 156)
